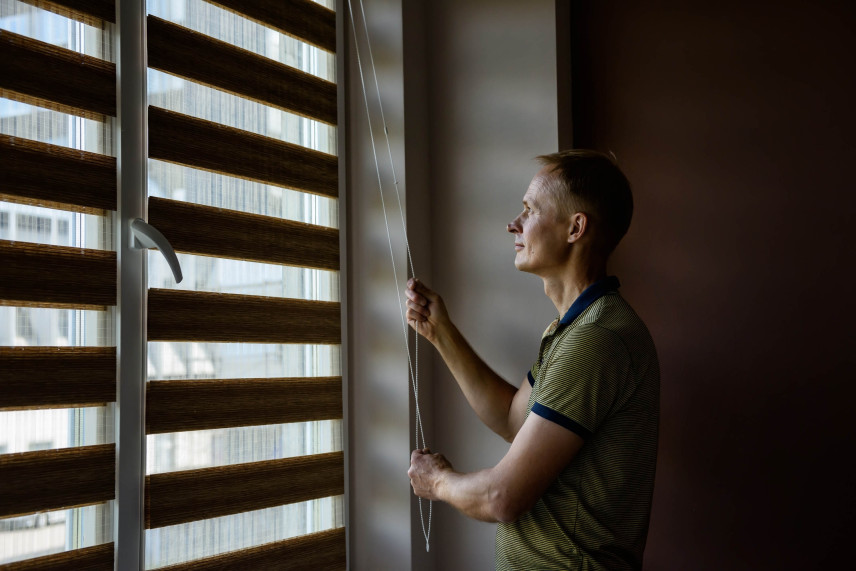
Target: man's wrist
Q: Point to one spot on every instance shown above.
(446, 338)
(441, 484)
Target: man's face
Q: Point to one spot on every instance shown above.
(541, 231)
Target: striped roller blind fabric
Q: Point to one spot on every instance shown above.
(57, 284)
(245, 466)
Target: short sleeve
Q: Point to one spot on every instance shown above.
(583, 379)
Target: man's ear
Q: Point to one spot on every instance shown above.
(577, 227)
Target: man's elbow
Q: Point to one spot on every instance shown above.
(506, 507)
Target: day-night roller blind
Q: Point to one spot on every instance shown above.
(57, 284)
(244, 400)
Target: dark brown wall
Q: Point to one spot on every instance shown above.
(735, 123)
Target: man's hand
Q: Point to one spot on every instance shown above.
(426, 471)
(539, 453)
(426, 312)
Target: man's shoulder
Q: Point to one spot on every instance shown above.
(613, 313)
(611, 325)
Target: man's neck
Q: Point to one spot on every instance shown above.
(563, 289)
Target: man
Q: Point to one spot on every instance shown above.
(574, 490)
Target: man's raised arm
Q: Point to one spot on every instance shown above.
(500, 405)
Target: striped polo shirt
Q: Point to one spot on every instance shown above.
(597, 375)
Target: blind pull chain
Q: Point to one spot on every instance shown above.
(413, 366)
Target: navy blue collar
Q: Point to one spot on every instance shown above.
(591, 294)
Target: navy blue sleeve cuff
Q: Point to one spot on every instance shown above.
(531, 379)
(561, 420)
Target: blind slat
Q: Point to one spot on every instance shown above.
(303, 19)
(216, 317)
(56, 276)
(56, 479)
(90, 12)
(244, 236)
(175, 406)
(189, 54)
(95, 558)
(80, 83)
(45, 174)
(321, 551)
(38, 377)
(178, 138)
(180, 497)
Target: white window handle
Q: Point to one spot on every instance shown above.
(147, 236)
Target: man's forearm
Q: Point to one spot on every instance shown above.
(489, 395)
(470, 494)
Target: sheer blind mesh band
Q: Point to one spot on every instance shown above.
(56, 377)
(56, 78)
(209, 231)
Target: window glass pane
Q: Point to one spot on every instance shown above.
(169, 360)
(207, 448)
(236, 30)
(167, 180)
(44, 533)
(51, 28)
(185, 542)
(203, 273)
(176, 94)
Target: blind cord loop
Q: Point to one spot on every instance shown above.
(413, 366)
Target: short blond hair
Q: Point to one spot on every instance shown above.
(592, 183)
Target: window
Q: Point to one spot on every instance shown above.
(62, 231)
(276, 459)
(50, 334)
(183, 190)
(34, 228)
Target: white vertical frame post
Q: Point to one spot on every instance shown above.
(132, 152)
(341, 152)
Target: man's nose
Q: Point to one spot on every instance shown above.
(512, 226)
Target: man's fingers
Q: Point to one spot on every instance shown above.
(416, 286)
(417, 309)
